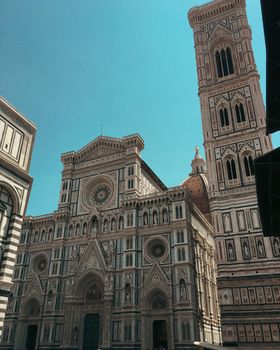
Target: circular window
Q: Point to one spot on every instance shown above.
(157, 248)
(100, 194)
(40, 263)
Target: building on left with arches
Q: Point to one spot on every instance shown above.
(17, 136)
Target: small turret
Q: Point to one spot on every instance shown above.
(198, 164)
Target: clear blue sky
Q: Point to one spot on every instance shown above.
(72, 65)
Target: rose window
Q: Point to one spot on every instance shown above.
(157, 249)
(40, 263)
(100, 195)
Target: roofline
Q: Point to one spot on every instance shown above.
(25, 119)
(153, 175)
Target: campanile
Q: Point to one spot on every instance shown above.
(233, 119)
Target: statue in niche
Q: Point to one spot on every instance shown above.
(227, 223)
(127, 295)
(145, 219)
(155, 217)
(276, 247)
(260, 248)
(113, 224)
(230, 251)
(110, 253)
(241, 220)
(75, 335)
(246, 250)
(94, 225)
(164, 216)
(49, 298)
(105, 225)
(182, 290)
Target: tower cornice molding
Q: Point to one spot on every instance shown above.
(240, 136)
(216, 8)
(225, 85)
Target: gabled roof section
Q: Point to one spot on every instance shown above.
(103, 146)
(153, 176)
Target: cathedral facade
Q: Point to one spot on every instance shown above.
(233, 119)
(123, 263)
(16, 143)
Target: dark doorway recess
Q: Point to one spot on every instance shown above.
(91, 332)
(31, 337)
(160, 335)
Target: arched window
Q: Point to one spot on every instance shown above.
(229, 61)
(231, 169)
(179, 212)
(78, 230)
(127, 294)
(50, 235)
(129, 219)
(36, 237)
(70, 231)
(84, 228)
(131, 170)
(219, 64)
(43, 236)
(121, 223)
(224, 117)
(224, 62)
(181, 254)
(249, 166)
(239, 112)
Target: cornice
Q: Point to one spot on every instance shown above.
(237, 82)
(216, 8)
(18, 117)
(118, 144)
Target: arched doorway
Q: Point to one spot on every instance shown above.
(157, 322)
(32, 313)
(159, 305)
(91, 334)
(87, 309)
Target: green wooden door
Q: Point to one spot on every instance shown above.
(91, 332)
(31, 337)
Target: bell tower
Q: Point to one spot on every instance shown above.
(233, 119)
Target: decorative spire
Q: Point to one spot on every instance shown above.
(198, 164)
(197, 156)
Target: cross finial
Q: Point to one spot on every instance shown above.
(101, 129)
